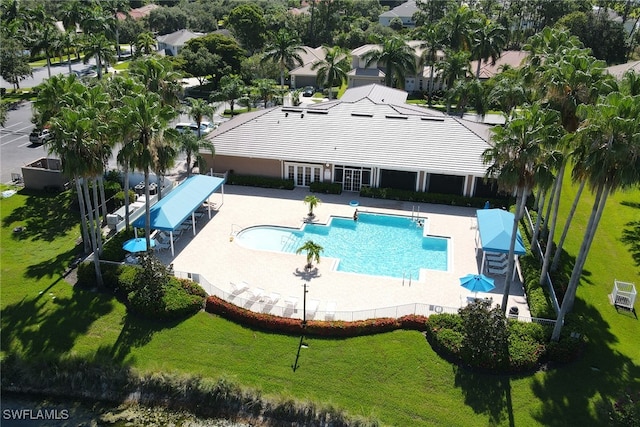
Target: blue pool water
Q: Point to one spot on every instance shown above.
(380, 245)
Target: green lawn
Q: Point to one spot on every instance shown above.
(394, 377)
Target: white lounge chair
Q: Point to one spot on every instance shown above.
(238, 289)
(312, 307)
(498, 271)
(162, 246)
(255, 293)
(291, 302)
(330, 312)
(273, 298)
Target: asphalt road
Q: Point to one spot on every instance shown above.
(15, 149)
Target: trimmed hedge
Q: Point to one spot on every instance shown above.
(442, 199)
(325, 187)
(260, 181)
(335, 329)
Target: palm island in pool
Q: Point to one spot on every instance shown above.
(374, 244)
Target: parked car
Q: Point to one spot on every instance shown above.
(308, 91)
(40, 136)
(205, 127)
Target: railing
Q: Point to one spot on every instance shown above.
(265, 306)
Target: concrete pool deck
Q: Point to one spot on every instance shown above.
(214, 255)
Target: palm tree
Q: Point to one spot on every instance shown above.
(457, 27)
(432, 45)
(487, 41)
(284, 49)
(508, 91)
(607, 156)
(145, 44)
(97, 45)
(191, 145)
(148, 118)
(157, 75)
(231, 88)
(43, 39)
(312, 201)
(313, 251)
(332, 70)
(518, 159)
(454, 67)
(113, 7)
(398, 58)
(199, 109)
(264, 90)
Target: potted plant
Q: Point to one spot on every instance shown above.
(312, 201)
(313, 253)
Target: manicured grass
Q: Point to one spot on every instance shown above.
(394, 377)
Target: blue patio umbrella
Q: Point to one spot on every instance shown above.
(138, 244)
(477, 283)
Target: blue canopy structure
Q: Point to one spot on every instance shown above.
(495, 226)
(174, 209)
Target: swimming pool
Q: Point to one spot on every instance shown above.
(380, 245)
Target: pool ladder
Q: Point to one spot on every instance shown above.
(403, 277)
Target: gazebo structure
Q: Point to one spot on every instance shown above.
(494, 234)
(170, 212)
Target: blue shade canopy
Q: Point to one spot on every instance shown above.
(176, 207)
(495, 226)
(477, 283)
(137, 245)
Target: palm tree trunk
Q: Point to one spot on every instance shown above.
(48, 63)
(69, 61)
(126, 197)
(96, 216)
(547, 215)
(565, 231)
(569, 296)
(536, 230)
(83, 217)
(552, 229)
(92, 228)
(521, 200)
(103, 200)
(431, 84)
(478, 69)
(147, 212)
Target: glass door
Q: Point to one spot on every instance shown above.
(352, 180)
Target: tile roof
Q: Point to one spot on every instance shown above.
(618, 71)
(406, 9)
(363, 132)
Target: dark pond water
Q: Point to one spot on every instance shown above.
(34, 411)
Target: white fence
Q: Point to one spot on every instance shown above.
(277, 309)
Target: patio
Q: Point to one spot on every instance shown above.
(218, 261)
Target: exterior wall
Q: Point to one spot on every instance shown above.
(44, 174)
(355, 81)
(244, 166)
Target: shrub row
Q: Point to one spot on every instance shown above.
(326, 187)
(260, 181)
(287, 325)
(529, 344)
(442, 199)
(104, 380)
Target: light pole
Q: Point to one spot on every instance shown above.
(302, 344)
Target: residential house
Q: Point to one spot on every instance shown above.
(137, 13)
(304, 76)
(511, 58)
(369, 137)
(404, 12)
(362, 74)
(172, 44)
